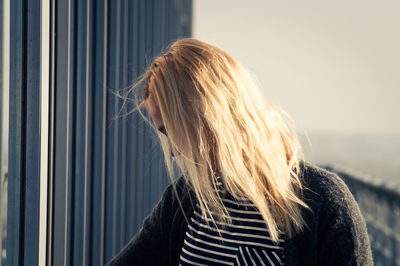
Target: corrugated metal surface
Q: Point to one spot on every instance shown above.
(24, 141)
(24, 134)
(106, 173)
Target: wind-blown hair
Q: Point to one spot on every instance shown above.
(220, 125)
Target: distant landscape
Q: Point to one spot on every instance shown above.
(377, 156)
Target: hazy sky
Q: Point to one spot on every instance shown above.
(332, 65)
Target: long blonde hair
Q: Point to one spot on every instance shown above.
(220, 125)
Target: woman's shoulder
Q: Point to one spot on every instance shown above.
(326, 188)
(179, 186)
(321, 181)
(343, 233)
(177, 193)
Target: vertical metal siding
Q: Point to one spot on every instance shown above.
(24, 142)
(63, 132)
(32, 151)
(111, 178)
(105, 172)
(83, 122)
(108, 170)
(99, 81)
(16, 138)
(51, 163)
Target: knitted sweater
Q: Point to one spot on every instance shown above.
(335, 234)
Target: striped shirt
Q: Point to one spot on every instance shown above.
(244, 242)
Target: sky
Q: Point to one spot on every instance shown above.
(334, 66)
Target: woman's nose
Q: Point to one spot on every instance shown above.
(170, 149)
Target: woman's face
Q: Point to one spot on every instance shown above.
(155, 114)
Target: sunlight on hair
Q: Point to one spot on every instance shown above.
(220, 125)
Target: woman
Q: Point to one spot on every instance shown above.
(245, 196)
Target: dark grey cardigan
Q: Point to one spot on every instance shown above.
(335, 235)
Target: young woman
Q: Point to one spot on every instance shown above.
(245, 196)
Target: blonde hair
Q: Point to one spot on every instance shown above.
(220, 125)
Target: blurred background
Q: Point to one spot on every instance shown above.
(334, 66)
(77, 179)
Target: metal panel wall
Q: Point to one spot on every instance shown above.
(106, 173)
(24, 134)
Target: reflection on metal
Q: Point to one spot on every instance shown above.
(380, 205)
(105, 173)
(4, 105)
(44, 125)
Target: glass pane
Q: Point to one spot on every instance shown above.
(4, 107)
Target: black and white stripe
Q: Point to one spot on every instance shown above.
(244, 242)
